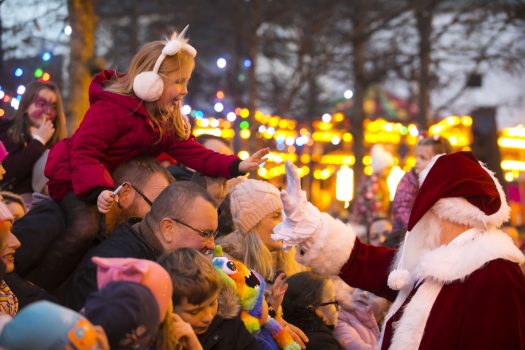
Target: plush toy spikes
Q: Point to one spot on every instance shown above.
(249, 286)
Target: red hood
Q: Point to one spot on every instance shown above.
(97, 93)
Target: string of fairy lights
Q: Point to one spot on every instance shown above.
(303, 144)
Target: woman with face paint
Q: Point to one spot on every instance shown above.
(37, 125)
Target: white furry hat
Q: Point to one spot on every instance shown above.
(251, 201)
(381, 158)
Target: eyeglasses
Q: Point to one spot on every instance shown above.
(146, 199)
(41, 103)
(205, 235)
(335, 303)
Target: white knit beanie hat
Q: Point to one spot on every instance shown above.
(251, 201)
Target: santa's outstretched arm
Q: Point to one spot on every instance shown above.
(329, 246)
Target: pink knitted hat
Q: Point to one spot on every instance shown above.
(145, 272)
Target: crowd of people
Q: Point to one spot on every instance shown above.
(133, 234)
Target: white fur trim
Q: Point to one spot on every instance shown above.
(398, 279)
(457, 261)
(466, 254)
(331, 247)
(409, 330)
(400, 299)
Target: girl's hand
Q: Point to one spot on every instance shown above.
(297, 334)
(278, 289)
(182, 331)
(45, 131)
(105, 201)
(253, 162)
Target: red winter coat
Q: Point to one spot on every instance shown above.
(114, 130)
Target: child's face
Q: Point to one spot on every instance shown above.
(16, 209)
(9, 245)
(44, 105)
(328, 312)
(175, 88)
(423, 156)
(265, 227)
(379, 230)
(198, 316)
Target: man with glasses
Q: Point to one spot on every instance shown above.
(142, 180)
(48, 256)
(183, 216)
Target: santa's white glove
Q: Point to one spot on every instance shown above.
(301, 219)
(294, 199)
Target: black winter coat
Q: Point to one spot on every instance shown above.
(20, 161)
(227, 334)
(319, 336)
(125, 242)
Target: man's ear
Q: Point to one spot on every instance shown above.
(167, 229)
(126, 197)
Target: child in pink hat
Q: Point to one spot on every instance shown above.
(145, 272)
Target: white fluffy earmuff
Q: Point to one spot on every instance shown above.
(149, 85)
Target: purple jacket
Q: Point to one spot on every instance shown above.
(404, 200)
(357, 330)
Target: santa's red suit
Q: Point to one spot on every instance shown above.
(467, 294)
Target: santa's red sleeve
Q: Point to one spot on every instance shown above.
(368, 268)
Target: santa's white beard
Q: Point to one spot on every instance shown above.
(425, 236)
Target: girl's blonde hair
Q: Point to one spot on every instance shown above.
(144, 61)
(258, 257)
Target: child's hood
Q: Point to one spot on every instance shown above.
(97, 93)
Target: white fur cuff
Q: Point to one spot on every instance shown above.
(330, 247)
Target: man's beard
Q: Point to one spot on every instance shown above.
(116, 217)
(425, 236)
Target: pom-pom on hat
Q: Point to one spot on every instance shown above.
(47, 326)
(252, 200)
(460, 189)
(127, 311)
(145, 272)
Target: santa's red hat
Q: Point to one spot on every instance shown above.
(458, 188)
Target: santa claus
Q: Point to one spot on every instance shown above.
(455, 282)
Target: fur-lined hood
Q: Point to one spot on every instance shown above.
(232, 245)
(229, 304)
